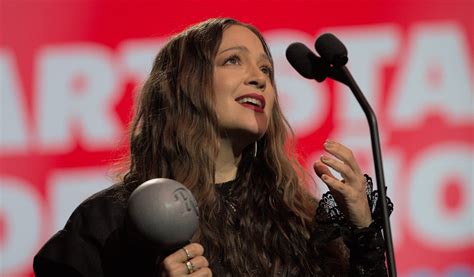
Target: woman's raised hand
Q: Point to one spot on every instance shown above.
(188, 261)
(350, 192)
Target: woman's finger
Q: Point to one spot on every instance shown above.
(181, 255)
(346, 171)
(320, 168)
(202, 272)
(333, 184)
(343, 153)
(198, 263)
(188, 267)
(174, 264)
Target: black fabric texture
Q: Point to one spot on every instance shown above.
(98, 241)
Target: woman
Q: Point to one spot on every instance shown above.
(208, 116)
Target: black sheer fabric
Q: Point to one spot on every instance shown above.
(98, 241)
(366, 245)
(329, 212)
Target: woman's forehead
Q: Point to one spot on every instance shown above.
(240, 37)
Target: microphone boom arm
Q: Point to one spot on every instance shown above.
(343, 75)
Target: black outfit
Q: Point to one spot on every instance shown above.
(98, 240)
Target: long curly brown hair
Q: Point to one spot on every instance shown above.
(174, 134)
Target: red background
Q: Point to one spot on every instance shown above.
(27, 27)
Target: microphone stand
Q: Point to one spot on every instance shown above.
(343, 75)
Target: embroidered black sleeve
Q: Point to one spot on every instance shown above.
(329, 212)
(366, 245)
(367, 255)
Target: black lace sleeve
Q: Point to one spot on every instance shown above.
(367, 255)
(366, 245)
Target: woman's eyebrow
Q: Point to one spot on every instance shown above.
(240, 48)
(244, 49)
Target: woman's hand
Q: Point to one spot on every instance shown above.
(350, 192)
(188, 260)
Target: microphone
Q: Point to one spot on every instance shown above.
(331, 49)
(164, 212)
(332, 64)
(306, 62)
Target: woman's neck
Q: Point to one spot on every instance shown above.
(227, 162)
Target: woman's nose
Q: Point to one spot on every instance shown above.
(257, 78)
(257, 81)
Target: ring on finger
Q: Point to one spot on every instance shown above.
(189, 267)
(188, 255)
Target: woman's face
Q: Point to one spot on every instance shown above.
(242, 85)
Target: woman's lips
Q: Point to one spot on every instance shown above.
(252, 107)
(252, 101)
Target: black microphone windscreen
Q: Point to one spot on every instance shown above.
(306, 62)
(331, 49)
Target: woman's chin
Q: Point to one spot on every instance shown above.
(244, 136)
(253, 134)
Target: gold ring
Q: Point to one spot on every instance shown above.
(188, 256)
(189, 267)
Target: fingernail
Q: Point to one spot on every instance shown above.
(327, 143)
(325, 177)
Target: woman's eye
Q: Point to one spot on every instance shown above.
(232, 60)
(267, 70)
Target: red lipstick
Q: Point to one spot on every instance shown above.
(253, 101)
